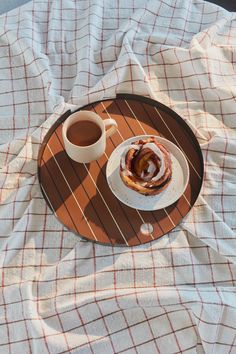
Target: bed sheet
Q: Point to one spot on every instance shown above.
(59, 293)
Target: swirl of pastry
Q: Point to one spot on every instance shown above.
(145, 167)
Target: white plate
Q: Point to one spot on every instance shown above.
(177, 186)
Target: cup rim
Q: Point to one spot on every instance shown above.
(95, 115)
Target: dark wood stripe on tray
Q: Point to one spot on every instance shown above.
(56, 199)
(79, 195)
(67, 191)
(104, 200)
(75, 175)
(94, 198)
(137, 217)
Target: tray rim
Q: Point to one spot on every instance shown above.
(127, 96)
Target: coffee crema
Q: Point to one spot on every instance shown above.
(84, 133)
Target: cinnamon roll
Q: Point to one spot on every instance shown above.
(145, 167)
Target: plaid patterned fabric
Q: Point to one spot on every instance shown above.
(61, 294)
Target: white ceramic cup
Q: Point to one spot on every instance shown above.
(88, 153)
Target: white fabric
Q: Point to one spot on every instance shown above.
(60, 293)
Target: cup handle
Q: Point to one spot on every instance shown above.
(112, 129)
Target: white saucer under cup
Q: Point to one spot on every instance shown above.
(176, 188)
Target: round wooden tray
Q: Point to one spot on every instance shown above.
(78, 194)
